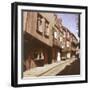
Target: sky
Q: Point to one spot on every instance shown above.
(70, 21)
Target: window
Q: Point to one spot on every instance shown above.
(55, 35)
(61, 34)
(38, 55)
(63, 44)
(61, 39)
(47, 30)
(67, 34)
(71, 39)
(64, 34)
(68, 43)
(40, 24)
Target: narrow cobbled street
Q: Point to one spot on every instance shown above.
(67, 67)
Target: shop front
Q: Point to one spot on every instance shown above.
(36, 53)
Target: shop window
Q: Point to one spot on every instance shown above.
(38, 55)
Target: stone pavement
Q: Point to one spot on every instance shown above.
(49, 69)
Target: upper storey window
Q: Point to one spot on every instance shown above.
(68, 43)
(64, 34)
(38, 55)
(56, 33)
(61, 37)
(47, 30)
(63, 44)
(43, 26)
(68, 35)
(40, 24)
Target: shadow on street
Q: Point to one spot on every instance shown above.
(72, 69)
